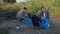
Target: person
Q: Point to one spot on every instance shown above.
(44, 17)
(21, 15)
(35, 21)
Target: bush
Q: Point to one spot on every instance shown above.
(52, 5)
(30, 15)
(4, 31)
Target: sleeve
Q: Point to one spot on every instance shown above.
(19, 14)
(26, 15)
(40, 15)
(48, 15)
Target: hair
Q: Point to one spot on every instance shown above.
(34, 13)
(42, 7)
(24, 8)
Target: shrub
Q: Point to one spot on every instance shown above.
(52, 5)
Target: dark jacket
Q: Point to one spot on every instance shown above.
(47, 15)
(35, 20)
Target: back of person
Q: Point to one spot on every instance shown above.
(35, 21)
(19, 14)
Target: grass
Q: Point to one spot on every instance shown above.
(52, 5)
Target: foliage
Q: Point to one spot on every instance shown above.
(53, 6)
(9, 1)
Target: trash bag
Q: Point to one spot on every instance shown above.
(45, 24)
(27, 21)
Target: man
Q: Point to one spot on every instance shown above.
(21, 15)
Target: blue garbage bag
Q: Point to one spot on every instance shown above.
(27, 21)
(44, 24)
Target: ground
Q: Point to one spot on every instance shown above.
(11, 24)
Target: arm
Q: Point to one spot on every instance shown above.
(40, 17)
(48, 15)
(20, 14)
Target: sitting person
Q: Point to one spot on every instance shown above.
(44, 16)
(21, 15)
(35, 21)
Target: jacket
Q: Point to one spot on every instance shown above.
(46, 14)
(21, 14)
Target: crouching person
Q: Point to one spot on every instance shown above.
(35, 21)
(21, 15)
(45, 18)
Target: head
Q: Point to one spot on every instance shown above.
(43, 9)
(34, 13)
(24, 9)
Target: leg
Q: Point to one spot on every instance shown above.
(21, 20)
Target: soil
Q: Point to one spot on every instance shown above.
(11, 24)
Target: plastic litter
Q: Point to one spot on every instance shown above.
(27, 21)
(20, 27)
(45, 24)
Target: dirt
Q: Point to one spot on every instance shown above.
(11, 24)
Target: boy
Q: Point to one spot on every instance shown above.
(21, 15)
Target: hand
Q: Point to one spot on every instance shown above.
(23, 17)
(43, 17)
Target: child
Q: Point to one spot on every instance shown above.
(35, 21)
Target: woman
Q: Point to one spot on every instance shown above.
(44, 17)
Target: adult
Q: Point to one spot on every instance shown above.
(44, 13)
(21, 15)
(44, 17)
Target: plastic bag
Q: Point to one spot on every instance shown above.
(27, 21)
(45, 24)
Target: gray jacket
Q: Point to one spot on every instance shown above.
(21, 14)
